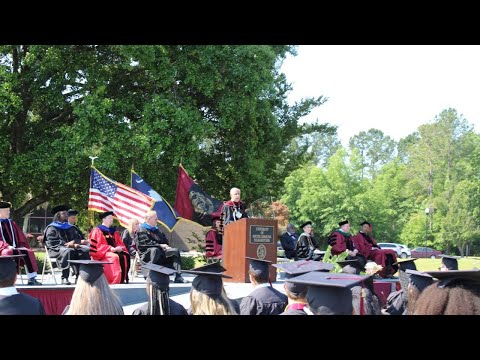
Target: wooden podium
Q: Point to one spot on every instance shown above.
(256, 238)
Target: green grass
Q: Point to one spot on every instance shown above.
(466, 263)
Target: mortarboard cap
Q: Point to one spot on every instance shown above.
(8, 266)
(208, 279)
(455, 277)
(329, 293)
(341, 223)
(59, 208)
(450, 262)
(103, 215)
(305, 224)
(404, 264)
(420, 279)
(296, 268)
(258, 267)
(159, 275)
(365, 223)
(5, 204)
(90, 270)
(72, 212)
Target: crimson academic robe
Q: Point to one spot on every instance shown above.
(230, 209)
(100, 244)
(12, 235)
(368, 247)
(340, 241)
(213, 247)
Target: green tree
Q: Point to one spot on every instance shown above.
(221, 110)
(376, 149)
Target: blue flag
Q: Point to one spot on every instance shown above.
(165, 213)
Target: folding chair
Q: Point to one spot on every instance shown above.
(133, 265)
(50, 264)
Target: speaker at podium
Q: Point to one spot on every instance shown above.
(256, 238)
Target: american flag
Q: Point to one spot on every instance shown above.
(109, 195)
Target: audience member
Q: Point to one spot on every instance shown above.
(449, 263)
(456, 293)
(264, 299)
(11, 301)
(418, 282)
(92, 294)
(158, 287)
(208, 296)
(296, 292)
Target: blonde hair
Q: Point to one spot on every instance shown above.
(203, 304)
(94, 299)
(130, 226)
(149, 214)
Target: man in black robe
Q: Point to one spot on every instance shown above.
(63, 243)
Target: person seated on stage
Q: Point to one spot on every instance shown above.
(72, 220)
(369, 249)
(153, 247)
(456, 293)
(208, 296)
(214, 239)
(296, 292)
(158, 286)
(92, 294)
(14, 242)
(106, 245)
(128, 236)
(397, 301)
(340, 240)
(418, 282)
(11, 301)
(63, 243)
(329, 293)
(448, 263)
(289, 241)
(234, 209)
(264, 299)
(306, 247)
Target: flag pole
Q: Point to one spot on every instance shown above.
(90, 219)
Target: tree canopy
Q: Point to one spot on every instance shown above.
(220, 110)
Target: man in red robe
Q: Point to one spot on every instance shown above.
(107, 245)
(14, 242)
(368, 247)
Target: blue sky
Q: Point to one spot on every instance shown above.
(394, 88)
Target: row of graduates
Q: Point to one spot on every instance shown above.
(310, 289)
(361, 246)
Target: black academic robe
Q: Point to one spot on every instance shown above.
(289, 241)
(263, 301)
(175, 309)
(229, 210)
(20, 304)
(396, 303)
